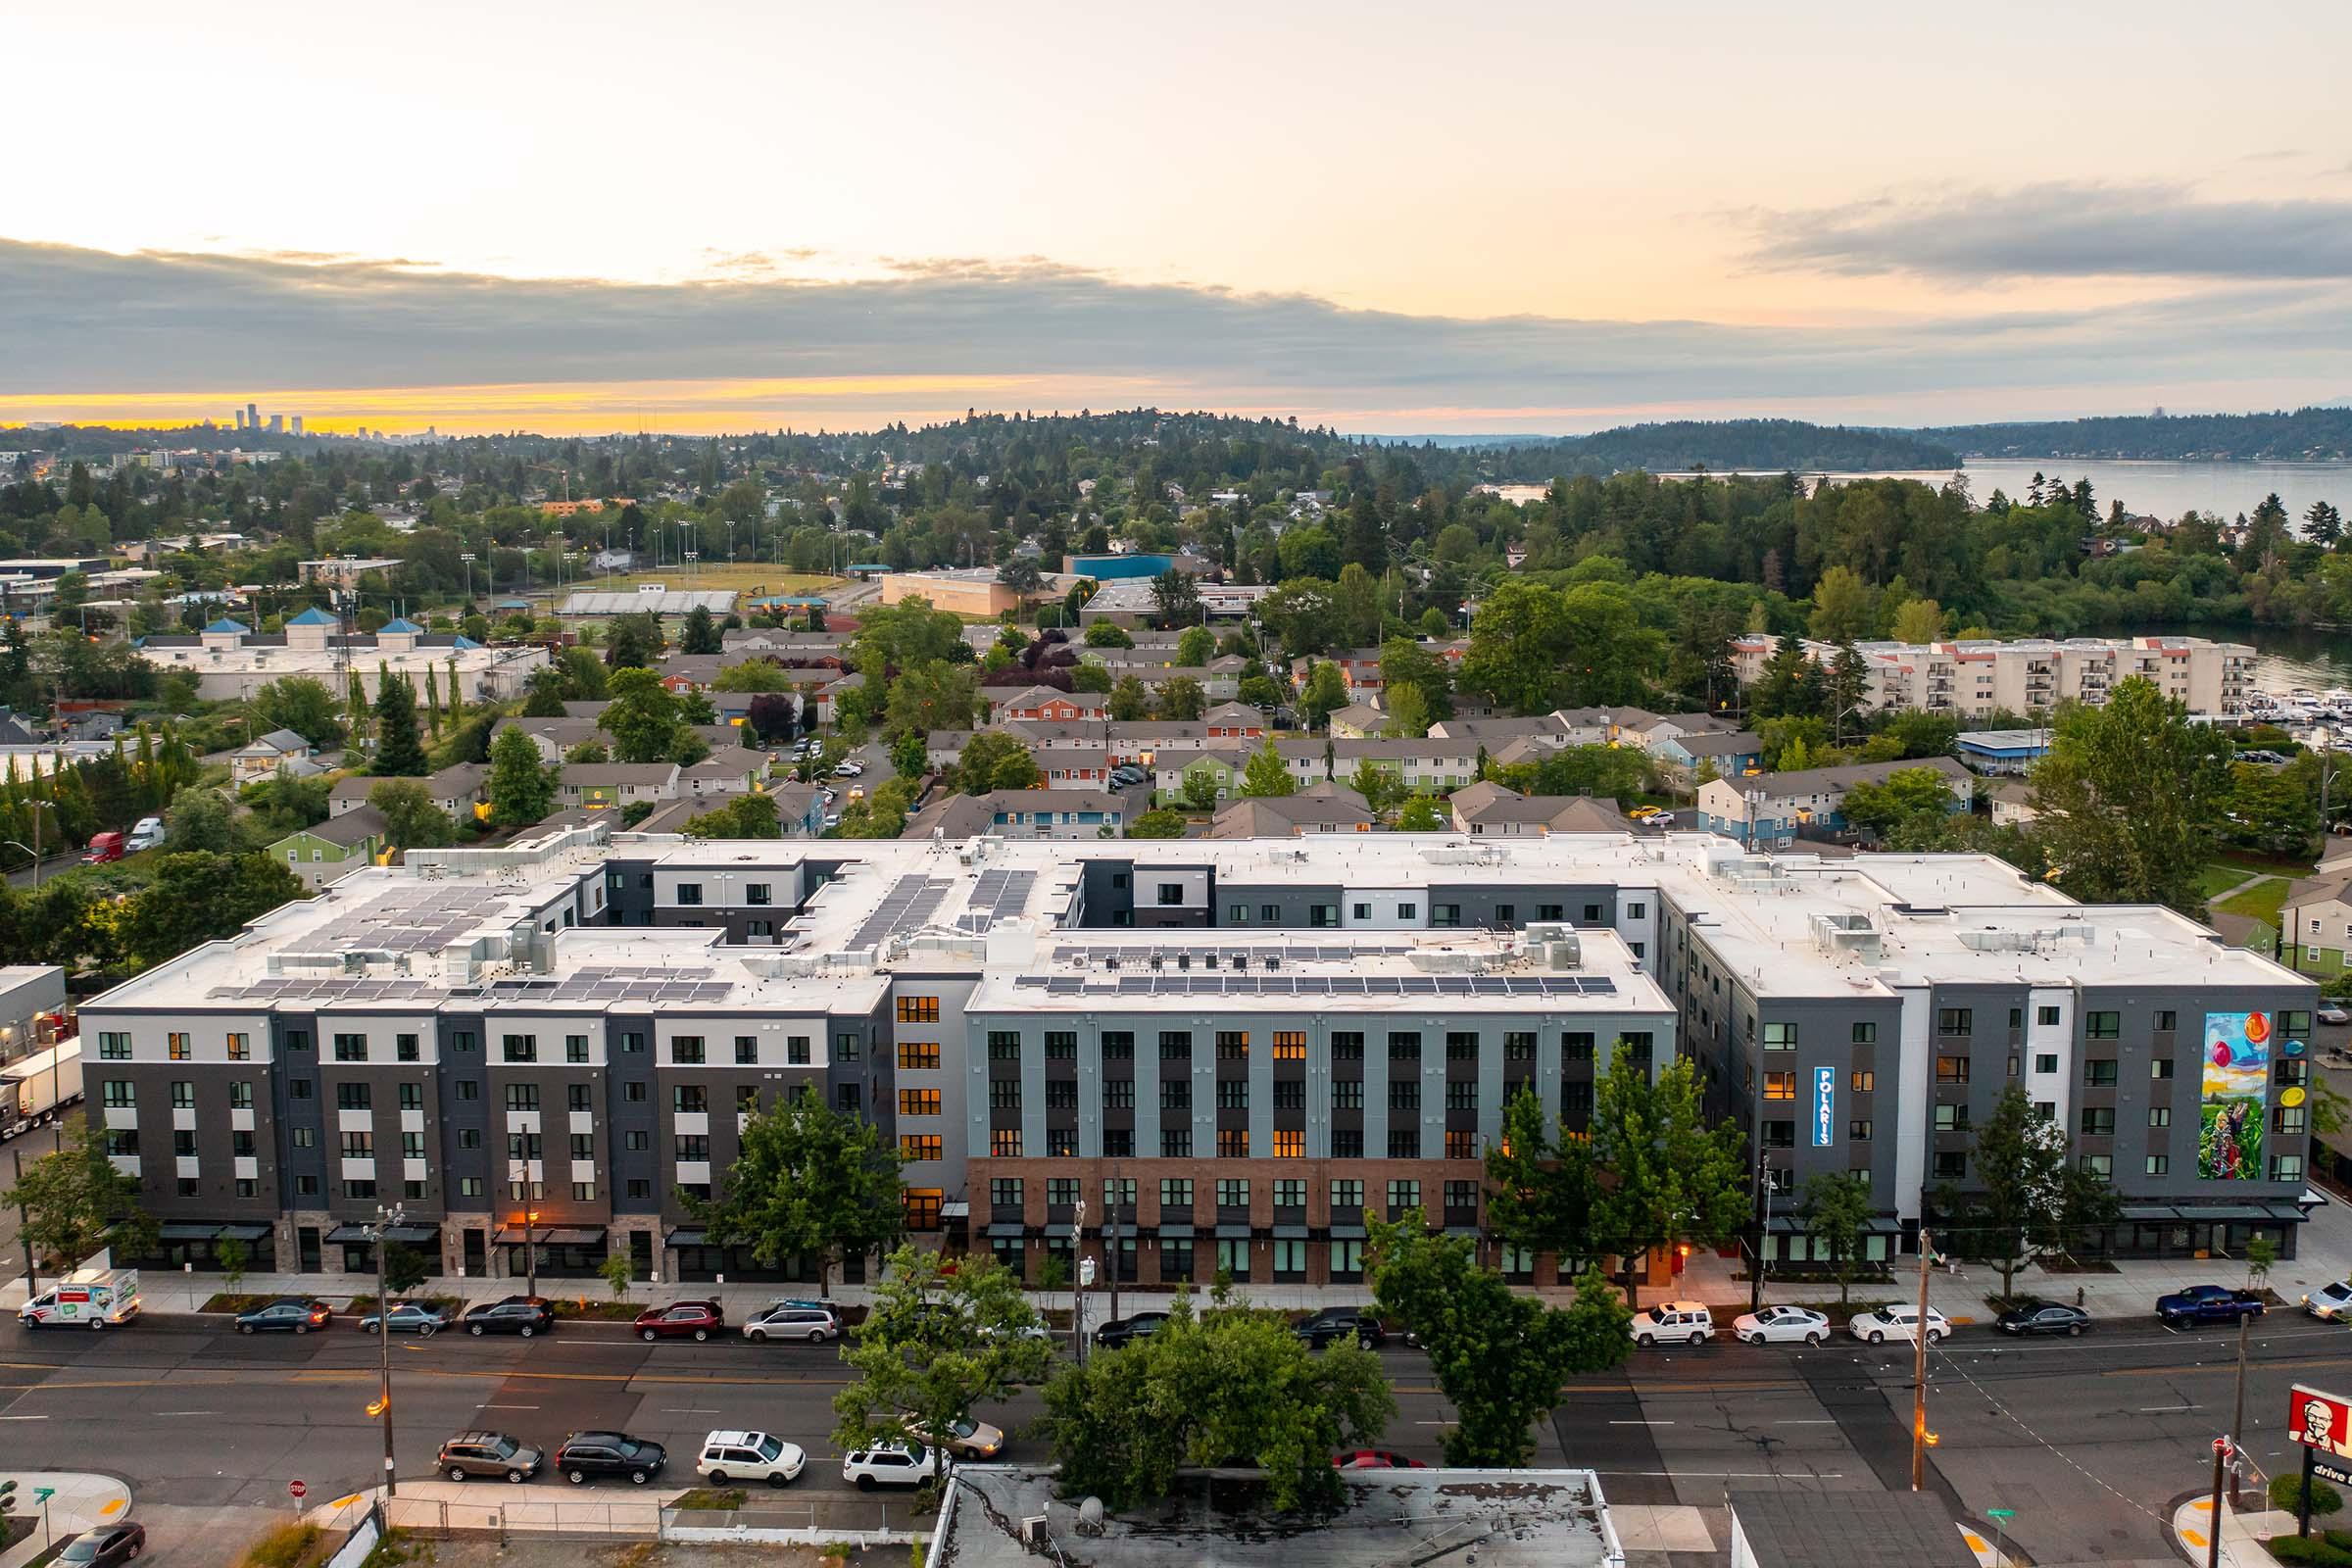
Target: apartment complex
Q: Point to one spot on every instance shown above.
(1977, 677)
(1235, 1046)
(231, 660)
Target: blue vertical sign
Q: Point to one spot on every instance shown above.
(1825, 1106)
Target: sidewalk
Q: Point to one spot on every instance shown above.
(2242, 1533)
(80, 1501)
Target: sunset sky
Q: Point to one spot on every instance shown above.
(1508, 217)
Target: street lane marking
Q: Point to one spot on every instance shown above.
(2165, 1409)
(1641, 1423)
(23, 1418)
(1806, 1421)
(187, 1412)
(509, 1408)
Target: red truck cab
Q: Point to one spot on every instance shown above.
(104, 846)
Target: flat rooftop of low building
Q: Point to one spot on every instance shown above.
(1494, 1518)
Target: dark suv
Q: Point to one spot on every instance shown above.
(1338, 1322)
(525, 1315)
(489, 1453)
(1121, 1330)
(608, 1454)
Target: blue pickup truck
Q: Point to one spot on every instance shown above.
(2207, 1303)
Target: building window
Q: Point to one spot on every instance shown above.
(686, 1051)
(2099, 1166)
(348, 1048)
(240, 1048)
(1175, 1093)
(1404, 1095)
(2099, 1121)
(1866, 1034)
(925, 1145)
(1951, 1070)
(1405, 1142)
(1461, 1145)
(2160, 1067)
(1176, 1192)
(1461, 1095)
(2099, 1073)
(918, 1054)
(1233, 1142)
(918, 1010)
(1232, 1193)
(112, 1047)
(240, 1094)
(348, 1096)
(2286, 1167)
(2045, 1016)
(1858, 1130)
(631, 1044)
(1288, 1144)
(1404, 1194)
(1233, 1093)
(1780, 1086)
(1780, 1037)
(117, 1093)
(355, 1146)
(1462, 1046)
(1779, 1133)
(2158, 1165)
(690, 892)
(1175, 1143)
(1118, 1045)
(1290, 1260)
(1955, 1020)
(692, 1099)
(1062, 1044)
(2100, 1026)
(1576, 1048)
(747, 1051)
(758, 892)
(1005, 1192)
(1347, 1046)
(1175, 1044)
(1347, 1263)
(1289, 1044)
(1950, 1164)
(1233, 1045)
(1170, 894)
(2291, 1119)
(2166, 1021)
(1862, 1080)
(1347, 1143)
(918, 1101)
(1347, 1094)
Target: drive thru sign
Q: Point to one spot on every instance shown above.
(2322, 1424)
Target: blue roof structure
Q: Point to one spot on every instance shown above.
(226, 625)
(463, 642)
(313, 616)
(401, 627)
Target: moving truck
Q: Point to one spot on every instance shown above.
(33, 1088)
(88, 1297)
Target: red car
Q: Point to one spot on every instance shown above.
(681, 1320)
(1374, 1459)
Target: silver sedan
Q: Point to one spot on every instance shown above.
(1776, 1325)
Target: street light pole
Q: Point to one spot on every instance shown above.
(1111, 1241)
(385, 1219)
(1919, 1373)
(1755, 1274)
(531, 1247)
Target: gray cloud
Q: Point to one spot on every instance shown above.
(93, 321)
(2064, 231)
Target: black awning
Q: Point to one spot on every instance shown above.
(1175, 1233)
(412, 1234)
(1290, 1232)
(346, 1234)
(243, 1233)
(683, 1237)
(2150, 1212)
(186, 1233)
(1232, 1233)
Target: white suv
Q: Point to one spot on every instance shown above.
(887, 1464)
(1689, 1321)
(749, 1456)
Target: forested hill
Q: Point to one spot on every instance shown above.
(1768, 445)
(2307, 435)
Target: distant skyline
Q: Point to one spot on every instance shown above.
(1520, 218)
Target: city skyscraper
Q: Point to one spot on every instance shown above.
(253, 416)
(298, 424)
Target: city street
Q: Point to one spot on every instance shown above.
(2087, 1440)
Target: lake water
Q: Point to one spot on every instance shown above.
(2167, 489)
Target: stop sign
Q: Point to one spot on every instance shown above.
(296, 1489)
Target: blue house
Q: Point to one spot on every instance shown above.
(1773, 809)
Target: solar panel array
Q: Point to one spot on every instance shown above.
(599, 986)
(1210, 958)
(996, 894)
(327, 989)
(911, 900)
(1319, 985)
(411, 919)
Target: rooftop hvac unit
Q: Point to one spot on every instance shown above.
(1564, 951)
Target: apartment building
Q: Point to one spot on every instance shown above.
(1237, 1045)
(2035, 673)
(231, 660)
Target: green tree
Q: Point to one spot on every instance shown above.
(522, 788)
(299, 704)
(641, 716)
(1671, 1177)
(938, 1340)
(75, 1201)
(1176, 598)
(619, 1273)
(807, 1182)
(987, 752)
(1160, 824)
(633, 641)
(2025, 1195)
(1107, 634)
(235, 1257)
(903, 635)
(201, 898)
(700, 634)
(1518, 647)
(1325, 694)
(200, 820)
(1196, 647)
(1408, 713)
(411, 818)
(1499, 1356)
(404, 1269)
(1379, 786)
(2273, 809)
(752, 675)
(399, 747)
(1837, 1208)
(1201, 786)
(1225, 1385)
(1908, 796)
(1538, 1192)
(932, 695)
(1420, 814)
(746, 817)
(1129, 700)
(546, 689)
(1918, 621)
(1844, 606)
(1844, 686)
(2128, 800)
(1181, 699)
(1267, 774)
(587, 752)
(910, 755)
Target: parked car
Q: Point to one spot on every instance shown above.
(525, 1315)
(1688, 1321)
(1338, 1322)
(1121, 1330)
(1897, 1323)
(1642, 813)
(749, 1456)
(105, 1548)
(848, 770)
(2334, 1012)
(1374, 1459)
(585, 1454)
(967, 1439)
(2042, 1317)
(682, 1320)
(290, 1315)
(2207, 1303)
(2331, 1301)
(887, 1464)
(1778, 1325)
(104, 846)
(145, 834)
(424, 1319)
(793, 1320)
(489, 1453)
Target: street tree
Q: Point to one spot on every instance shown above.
(2129, 802)
(1420, 814)
(1227, 1383)
(75, 1201)
(1498, 1355)
(404, 1269)
(520, 786)
(1671, 1178)
(1836, 1207)
(412, 820)
(2025, 1196)
(938, 1340)
(1538, 1189)
(807, 1182)
(1267, 773)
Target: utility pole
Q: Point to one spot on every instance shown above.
(531, 1247)
(1110, 1239)
(2221, 1455)
(1078, 1282)
(2237, 1421)
(1919, 1373)
(32, 1280)
(385, 1219)
(1755, 1273)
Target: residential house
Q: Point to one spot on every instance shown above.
(2013, 804)
(1073, 764)
(1488, 809)
(1359, 720)
(1222, 768)
(732, 771)
(1046, 705)
(613, 786)
(828, 695)
(1324, 807)
(281, 751)
(2316, 921)
(327, 851)
(1733, 753)
(457, 790)
(1776, 808)
(1049, 813)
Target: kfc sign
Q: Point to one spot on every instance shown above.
(2322, 1421)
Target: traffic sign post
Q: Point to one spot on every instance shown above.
(2001, 1518)
(296, 1490)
